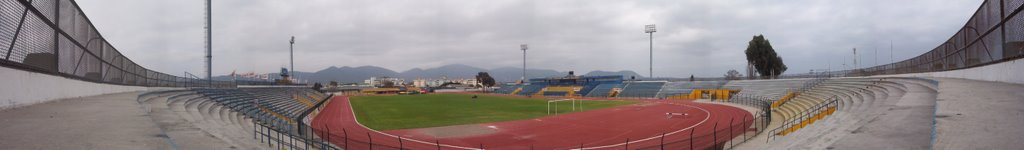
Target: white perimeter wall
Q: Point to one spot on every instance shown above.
(22, 88)
(1009, 72)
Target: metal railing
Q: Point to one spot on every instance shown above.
(828, 106)
(293, 136)
(55, 37)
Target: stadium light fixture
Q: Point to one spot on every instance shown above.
(649, 29)
(523, 47)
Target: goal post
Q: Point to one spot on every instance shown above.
(573, 103)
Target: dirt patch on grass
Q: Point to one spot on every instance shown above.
(458, 131)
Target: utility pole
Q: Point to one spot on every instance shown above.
(649, 29)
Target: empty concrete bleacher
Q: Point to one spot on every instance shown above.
(559, 91)
(641, 89)
(507, 89)
(769, 88)
(530, 89)
(864, 102)
(585, 90)
(686, 87)
(228, 114)
(602, 90)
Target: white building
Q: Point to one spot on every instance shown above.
(419, 82)
(380, 81)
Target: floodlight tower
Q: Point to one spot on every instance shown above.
(855, 58)
(209, 45)
(523, 47)
(291, 58)
(649, 29)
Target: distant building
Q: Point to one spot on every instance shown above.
(384, 81)
(420, 82)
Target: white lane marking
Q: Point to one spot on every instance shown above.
(706, 117)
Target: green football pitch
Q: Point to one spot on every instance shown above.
(434, 110)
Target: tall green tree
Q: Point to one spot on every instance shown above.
(761, 54)
(485, 79)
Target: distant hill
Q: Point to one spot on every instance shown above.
(454, 71)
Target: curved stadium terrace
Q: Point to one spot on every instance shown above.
(963, 94)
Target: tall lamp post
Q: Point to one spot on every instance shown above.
(209, 45)
(291, 59)
(523, 47)
(649, 29)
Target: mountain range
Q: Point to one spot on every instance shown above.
(455, 71)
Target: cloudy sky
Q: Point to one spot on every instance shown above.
(700, 37)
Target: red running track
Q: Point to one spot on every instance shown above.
(643, 124)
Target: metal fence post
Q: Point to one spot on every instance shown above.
(438, 143)
(278, 139)
(266, 133)
(371, 140)
(730, 133)
(627, 143)
(254, 129)
(745, 124)
(344, 131)
(400, 145)
(325, 136)
(691, 138)
(309, 131)
(662, 141)
(714, 136)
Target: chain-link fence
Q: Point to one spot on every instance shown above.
(55, 37)
(994, 34)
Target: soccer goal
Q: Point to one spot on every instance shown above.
(577, 105)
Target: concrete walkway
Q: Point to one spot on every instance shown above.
(975, 114)
(111, 121)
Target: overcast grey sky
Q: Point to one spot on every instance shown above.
(700, 37)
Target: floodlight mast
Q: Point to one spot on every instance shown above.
(209, 45)
(649, 29)
(291, 59)
(523, 47)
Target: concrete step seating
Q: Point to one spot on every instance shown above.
(860, 100)
(807, 101)
(222, 124)
(602, 90)
(530, 90)
(641, 89)
(685, 87)
(228, 113)
(769, 88)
